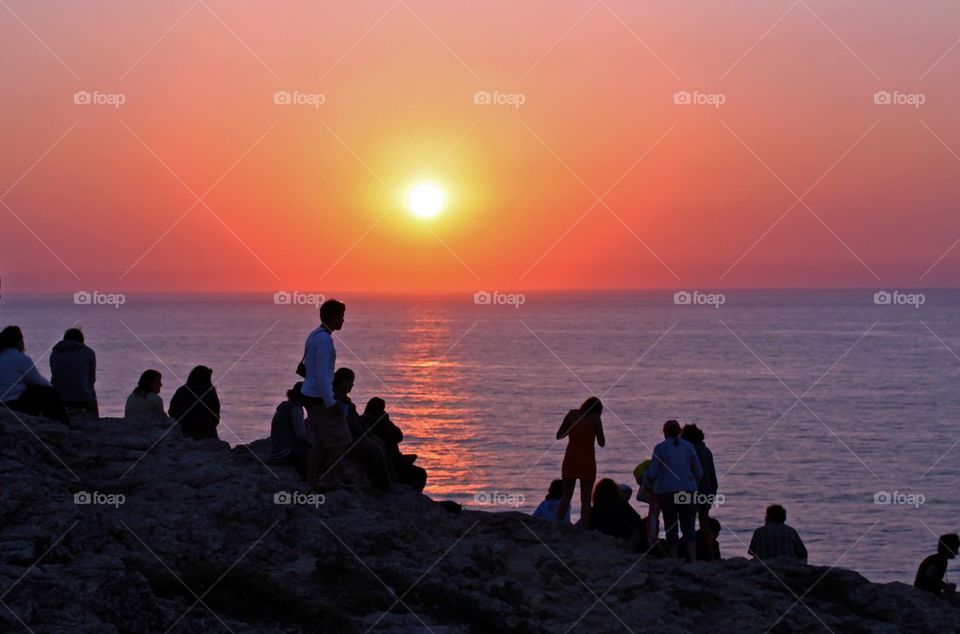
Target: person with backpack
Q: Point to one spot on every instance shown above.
(327, 428)
(645, 494)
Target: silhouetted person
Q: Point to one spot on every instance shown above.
(196, 405)
(365, 448)
(547, 510)
(73, 372)
(22, 387)
(582, 427)
(288, 432)
(145, 398)
(708, 546)
(327, 429)
(675, 471)
(376, 419)
(776, 539)
(612, 515)
(933, 569)
(625, 491)
(707, 486)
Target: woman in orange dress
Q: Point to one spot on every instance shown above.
(582, 427)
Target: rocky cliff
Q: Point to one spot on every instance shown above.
(126, 526)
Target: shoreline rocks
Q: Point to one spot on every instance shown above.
(127, 526)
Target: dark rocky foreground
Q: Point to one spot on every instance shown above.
(198, 544)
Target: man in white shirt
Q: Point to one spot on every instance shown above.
(327, 429)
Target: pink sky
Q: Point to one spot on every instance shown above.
(96, 196)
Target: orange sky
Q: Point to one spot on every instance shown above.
(304, 197)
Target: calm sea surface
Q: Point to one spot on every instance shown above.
(818, 400)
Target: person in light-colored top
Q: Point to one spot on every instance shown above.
(145, 398)
(327, 428)
(675, 471)
(22, 388)
(547, 510)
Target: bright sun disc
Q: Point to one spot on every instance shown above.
(425, 200)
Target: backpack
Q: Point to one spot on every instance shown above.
(644, 492)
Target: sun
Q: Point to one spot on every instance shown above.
(426, 200)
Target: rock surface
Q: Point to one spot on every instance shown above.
(186, 536)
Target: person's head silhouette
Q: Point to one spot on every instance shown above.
(11, 337)
(949, 545)
(343, 380)
(332, 314)
(73, 334)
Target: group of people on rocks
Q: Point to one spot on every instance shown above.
(314, 443)
(318, 425)
(680, 483)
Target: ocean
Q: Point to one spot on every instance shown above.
(840, 405)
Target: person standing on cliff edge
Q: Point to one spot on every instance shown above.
(327, 429)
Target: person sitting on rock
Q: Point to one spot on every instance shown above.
(612, 515)
(933, 569)
(288, 432)
(196, 405)
(776, 539)
(73, 372)
(708, 547)
(22, 388)
(145, 400)
(376, 419)
(547, 510)
(365, 449)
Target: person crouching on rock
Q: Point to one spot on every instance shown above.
(22, 388)
(365, 449)
(613, 515)
(196, 405)
(288, 432)
(582, 427)
(547, 510)
(933, 569)
(376, 419)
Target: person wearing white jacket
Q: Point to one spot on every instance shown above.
(22, 387)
